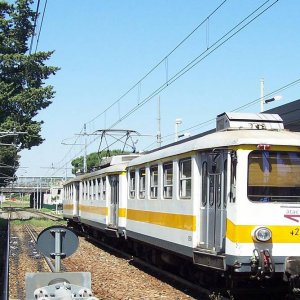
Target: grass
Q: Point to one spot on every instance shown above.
(21, 204)
(38, 222)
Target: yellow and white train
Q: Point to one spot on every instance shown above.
(226, 202)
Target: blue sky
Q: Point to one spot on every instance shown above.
(105, 47)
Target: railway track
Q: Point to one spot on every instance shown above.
(107, 286)
(34, 235)
(191, 289)
(47, 215)
(195, 291)
(24, 256)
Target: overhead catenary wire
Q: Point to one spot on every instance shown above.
(34, 26)
(163, 60)
(247, 105)
(202, 124)
(210, 49)
(221, 41)
(40, 30)
(192, 63)
(138, 84)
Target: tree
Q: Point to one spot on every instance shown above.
(22, 76)
(93, 160)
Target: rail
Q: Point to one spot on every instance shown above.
(33, 235)
(194, 289)
(5, 257)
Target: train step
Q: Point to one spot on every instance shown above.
(112, 232)
(209, 259)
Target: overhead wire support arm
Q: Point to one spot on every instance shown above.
(118, 135)
(14, 133)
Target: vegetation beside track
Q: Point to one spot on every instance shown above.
(38, 222)
(15, 204)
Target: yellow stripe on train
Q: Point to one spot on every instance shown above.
(280, 234)
(185, 222)
(68, 206)
(103, 211)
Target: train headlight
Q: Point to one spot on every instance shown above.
(262, 234)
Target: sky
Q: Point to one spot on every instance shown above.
(105, 48)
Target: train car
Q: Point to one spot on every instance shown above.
(71, 199)
(97, 200)
(226, 202)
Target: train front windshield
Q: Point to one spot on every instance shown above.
(274, 176)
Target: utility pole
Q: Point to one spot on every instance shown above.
(158, 137)
(262, 96)
(178, 121)
(85, 134)
(85, 146)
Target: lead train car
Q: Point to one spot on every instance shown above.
(227, 201)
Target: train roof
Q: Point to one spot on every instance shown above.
(108, 170)
(221, 139)
(114, 164)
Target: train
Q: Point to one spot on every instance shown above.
(222, 206)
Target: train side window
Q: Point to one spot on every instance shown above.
(185, 178)
(153, 182)
(168, 180)
(90, 189)
(204, 183)
(94, 189)
(142, 182)
(103, 188)
(86, 190)
(99, 188)
(132, 184)
(82, 190)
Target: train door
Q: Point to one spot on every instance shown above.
(114, 200)
(213, 202)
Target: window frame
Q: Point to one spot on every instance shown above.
(98, 188)
(186, 179)
(142, 183)
(132, 187)
(153, 186)
(271, 191)
(166, 186)
(103, 179)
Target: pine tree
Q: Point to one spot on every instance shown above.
(22, 77)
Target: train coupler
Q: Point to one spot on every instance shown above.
(262, 265)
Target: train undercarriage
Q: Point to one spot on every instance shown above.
(262, 282)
